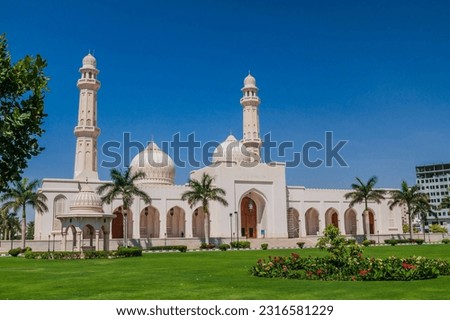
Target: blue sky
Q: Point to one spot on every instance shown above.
(376, 73)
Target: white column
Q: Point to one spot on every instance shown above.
(359, 224)
(97, 240)
(79, 240)
(64, 241)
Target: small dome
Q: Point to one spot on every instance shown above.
(249, 81)
(89, 61)
(231, 150)
(87, 200)
(156, 164)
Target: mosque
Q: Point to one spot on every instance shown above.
(262, 208)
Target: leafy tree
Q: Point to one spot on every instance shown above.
(412, 198)
(365, 192)
(203, 191)
(123, 184)
(22, 91)
(22, 194)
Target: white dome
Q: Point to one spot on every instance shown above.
(231, 150)
(89, 61)
(249, 81)
(156, 164)
(87, 200)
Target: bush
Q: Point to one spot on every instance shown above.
(351, 241)
(163, 248)
(264, 246)
(300, 244)
(419, 241)
(367, 243)
(58, 255)
(446, 241)
(240, 244)
(96, 254)
(128, 252)
(224, 247)
(392, 242)
(207, 246)
(15, 252)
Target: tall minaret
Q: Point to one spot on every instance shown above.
(250, 103)
(86, 130)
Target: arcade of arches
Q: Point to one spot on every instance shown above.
(313, 222)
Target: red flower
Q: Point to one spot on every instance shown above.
(408, 266)
(319, 271)
(363, 272)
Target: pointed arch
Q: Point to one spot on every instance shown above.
(59, 208)
(312, 221)
(350, 222)
(332, 217)
(198, 221)
(252, 205)
(176, 222)
(149, 222)
(118, 222)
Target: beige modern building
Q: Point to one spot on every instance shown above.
(262, 208)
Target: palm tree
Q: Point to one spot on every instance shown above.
(203, 191)
(22, 194)
(411, 197)
(123, 184)
(363, 193)
(422, 210)
(8, 222)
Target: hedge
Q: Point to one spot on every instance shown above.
(164, 248)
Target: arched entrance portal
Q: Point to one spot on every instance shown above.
(248, 218)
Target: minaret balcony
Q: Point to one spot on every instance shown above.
(85, 83)
(250, 101)
(86, 131)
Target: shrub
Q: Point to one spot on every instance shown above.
(446, 241)
(367, 243)
(351, 241)
(419, 241)
(162, 248)
(392, 242)
(128, 252)
(224, 247)
(15, 252)
(240, 244)
(96, 254)
(300, 244)
(264, 246)
(207, 246)
(58, 255)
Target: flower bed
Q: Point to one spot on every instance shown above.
(360, 268)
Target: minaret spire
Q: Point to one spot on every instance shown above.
(250, 104)
(86, 130)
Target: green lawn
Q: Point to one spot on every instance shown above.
(202, 275)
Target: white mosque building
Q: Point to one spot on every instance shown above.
(262, 208)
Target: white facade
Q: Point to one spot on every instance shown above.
(261, 206)
(434, 180)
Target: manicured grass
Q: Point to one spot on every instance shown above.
(202, 275)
